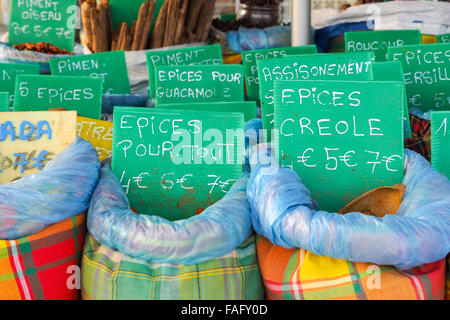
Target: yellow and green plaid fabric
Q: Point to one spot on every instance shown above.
(111, 275)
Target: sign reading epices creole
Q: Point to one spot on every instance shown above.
(426, 70)
(8, 76)
(97, 132)
(440, 142)
(174, 163)
(40, 93)
(110, 66)
(43, 20)
(338, 66)
(379, 41)
(184, 84)
(28, 140)
(203, 55)
(343, 138)
(249, 59)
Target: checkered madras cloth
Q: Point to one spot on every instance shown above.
(111, 275)
(447, 293)
(44, 266)
(300, 275)
(421, 137)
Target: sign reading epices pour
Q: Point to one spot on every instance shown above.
(379, 41)
(426, 70)
(176, 163)
(43, 20)
(180, 84)
(40, 93)
(249, 59)
(111, 67)
(440, 142)
(343, 138)
(339, 66)
(28, 140)
(203, 55)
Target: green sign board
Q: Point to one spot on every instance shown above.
(176, 163)
(248, 108)
(249, 59)
(40, 93)
(443, 38)
(426, 70)
(111, 67)
(379, 41)
(4, 101)
(127, 11)
(393, 71)
(187, 84)
(440, 142)
(204, 55)
(51, 21)
(336, 66)
(343, 138)
(8, 76)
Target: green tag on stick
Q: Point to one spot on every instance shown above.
(203, 55)
(337, 66)
(249, 59)
(4, 101)
(248, 108)
(8, 76)
(40, 93)
(51, 21)
(111, 67)
(392, 71)
(176, 163)
(440, 142)
(379, 41)
(426, 70)
(443, 38)
(343, 138)
(187, 84)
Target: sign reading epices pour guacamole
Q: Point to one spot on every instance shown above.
(51, 21)
(343, 138)
(249, 59)
(203, 55)
(111, 67)
(379, 41)
(440, 142)
(338, 66)
(184, 84)
(40, 93)
(426, 70)
(176, 163)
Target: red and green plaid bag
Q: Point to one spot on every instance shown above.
(421, 137)
(43, 266)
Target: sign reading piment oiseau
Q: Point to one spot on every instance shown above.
(203, 55)
(176, 163)
(111, 67)
(440, 142)
(51, 21)
(338, 66)
(426, 70)
(249, 59)
(343, 138)
(379, 41)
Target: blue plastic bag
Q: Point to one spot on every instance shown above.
(62, 190)
(253, 39)
(283, 212)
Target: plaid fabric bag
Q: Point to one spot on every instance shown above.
(297, 274)
(421, 136)
(111, 275)
(447, 292)
(43, 266)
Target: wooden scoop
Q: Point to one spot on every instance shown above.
(378, 202)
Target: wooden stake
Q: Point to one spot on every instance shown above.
(86, 16)
(148, 25)
(160, 26)
(140, 25)
(180, 31)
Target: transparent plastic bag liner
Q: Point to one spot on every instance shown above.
(62, 190)
(216, 232)
(253, 39)
(283, 212)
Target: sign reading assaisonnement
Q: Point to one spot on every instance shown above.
(440, 142)
(176, 163)
(343, 138)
